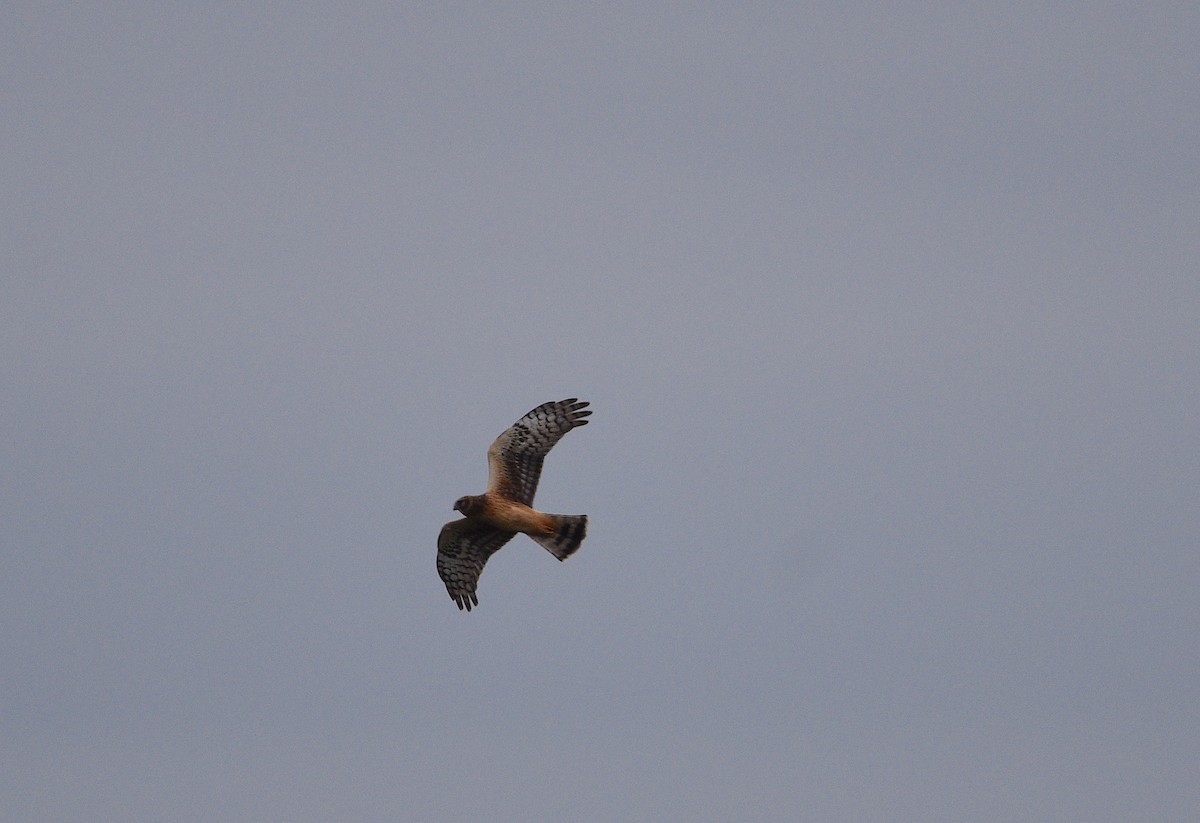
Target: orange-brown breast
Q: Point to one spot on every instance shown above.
(515, 517)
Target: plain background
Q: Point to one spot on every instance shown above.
(889, 317)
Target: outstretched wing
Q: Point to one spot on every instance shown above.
(463, 547)
(515, 458)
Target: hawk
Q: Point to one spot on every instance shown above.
(493, 518)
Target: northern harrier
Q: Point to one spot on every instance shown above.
(494, 517)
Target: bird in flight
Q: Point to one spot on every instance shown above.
(493, 518)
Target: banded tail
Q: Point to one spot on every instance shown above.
(569, 531)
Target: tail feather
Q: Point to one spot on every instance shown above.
(569, 531)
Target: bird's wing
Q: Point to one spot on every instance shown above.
(515, 458)
(463, 547)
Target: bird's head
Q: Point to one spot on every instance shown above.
(464, 504)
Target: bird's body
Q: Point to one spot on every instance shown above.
(493, 518)
(506, 515)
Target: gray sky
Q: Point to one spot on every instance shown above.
(889, 320)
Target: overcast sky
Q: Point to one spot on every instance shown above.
(890, 320)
